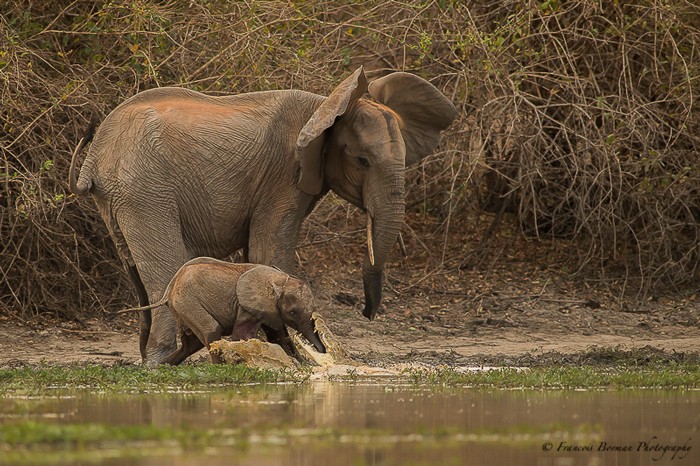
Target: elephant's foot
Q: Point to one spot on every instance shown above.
(157, 355)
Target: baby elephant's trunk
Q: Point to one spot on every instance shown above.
(310, 333)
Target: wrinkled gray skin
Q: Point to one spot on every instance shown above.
(177, 174)
(210, 298)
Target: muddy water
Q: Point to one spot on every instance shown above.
(342, 423)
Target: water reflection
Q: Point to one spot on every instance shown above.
(344, 423)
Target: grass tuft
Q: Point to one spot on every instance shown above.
(135, 378)
(676, 376)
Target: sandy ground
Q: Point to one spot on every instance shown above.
(433, 329)
(22, 343)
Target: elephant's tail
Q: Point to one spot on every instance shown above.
(81, 186)
(160, 303)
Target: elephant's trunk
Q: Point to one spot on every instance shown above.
(385, 211)
(310, 333)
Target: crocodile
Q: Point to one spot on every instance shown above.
(258, 353)
(253, 353)
(335, 353)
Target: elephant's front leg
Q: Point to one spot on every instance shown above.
(274, 232)
(282, 338)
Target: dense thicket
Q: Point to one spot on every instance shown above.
(578, 117)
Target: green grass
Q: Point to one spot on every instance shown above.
(135, 378)
(595, 368)
(70, 435)
(621, 373)
(32, 442)
(26, 434)
(205, 376)
(670, 376)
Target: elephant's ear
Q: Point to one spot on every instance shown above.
(257, 289)
(309, 150)
(422, 109)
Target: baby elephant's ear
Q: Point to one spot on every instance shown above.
(422, 109)
(255, 288)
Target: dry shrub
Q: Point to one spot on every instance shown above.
(62, 65)
(588, 123)
(579, 119)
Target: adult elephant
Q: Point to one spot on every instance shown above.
(177, 174)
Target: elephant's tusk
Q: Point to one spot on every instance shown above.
(370, 246)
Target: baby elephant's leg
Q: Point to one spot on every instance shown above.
(189, 344)
(203, 325)
(282, 338)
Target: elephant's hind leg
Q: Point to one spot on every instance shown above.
(206, 329)
(144, 316)
(158, 251)
(189, 344)
(127, 260)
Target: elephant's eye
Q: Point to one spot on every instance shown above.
(364, 161)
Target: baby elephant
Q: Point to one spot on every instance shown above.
(212, 298)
